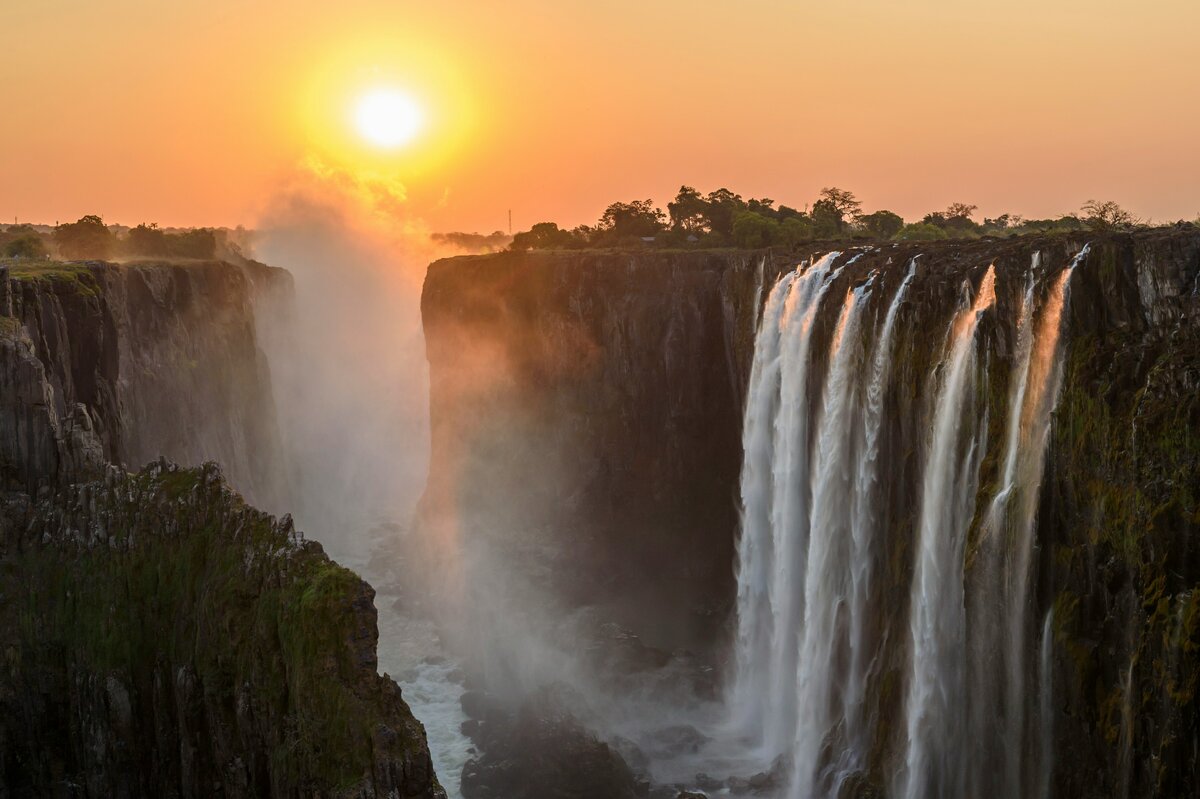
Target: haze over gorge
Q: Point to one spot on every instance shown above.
(849, 519)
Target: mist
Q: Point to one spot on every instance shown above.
(491, 588)
(347, 361)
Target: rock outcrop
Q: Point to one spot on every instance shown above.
(599, 395)
(165, 639)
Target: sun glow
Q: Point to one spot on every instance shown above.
(387, 118)
(384, 108)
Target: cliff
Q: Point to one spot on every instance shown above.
(105, 363)
(164, 638)
(598, 393)
(601, 394)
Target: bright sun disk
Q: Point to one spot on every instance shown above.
(387, 118)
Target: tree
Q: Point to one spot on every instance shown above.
(88, 237)
(845, 202)
(751, 230)
(196, 243)
(546, 236)
(828, 221)
(147, 240)
(635, 219)
(787, 212)
(723, 205)
(764, 207)
(1004, 221)
(29, 245)
(921, 231)
(960, 211)
(1106, 215)
(881, 224)
(959, 225)
(688, 211)
(795, 230)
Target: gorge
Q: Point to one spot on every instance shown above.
(965, 562)
(856, 520)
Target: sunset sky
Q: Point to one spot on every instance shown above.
(202, 113)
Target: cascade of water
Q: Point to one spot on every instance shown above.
(1045, 696)
(790, 500)
(863, 524)
(936, 696)
(995, 762)
(1045, 373)
(828, 561)
(755, 547)
(775, 461)
(1001, 591)
(809, 520)
(806, 640)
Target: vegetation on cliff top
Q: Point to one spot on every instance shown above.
(723, 219)
(89, 238)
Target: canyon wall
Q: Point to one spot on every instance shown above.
(104, 363)
(164, 638)
(596, 399)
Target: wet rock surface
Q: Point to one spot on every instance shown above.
(539, 750)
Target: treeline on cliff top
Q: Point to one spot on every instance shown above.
(723, 219)
(88, 238)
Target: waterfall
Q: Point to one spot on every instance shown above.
(830, 557)
(936, 699)
(756, 547)
(803, 599)
(1045, 707)
(813, 637)
(774, 440)
(864, 521)
(790, 500)
(1001, 591)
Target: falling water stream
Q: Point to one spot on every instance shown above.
(809, 646)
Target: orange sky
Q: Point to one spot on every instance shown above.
(197, 113)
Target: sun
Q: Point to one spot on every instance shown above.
(387, 118)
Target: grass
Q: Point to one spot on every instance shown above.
(74, 276)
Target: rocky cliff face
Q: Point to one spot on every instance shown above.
(596, 393)
(104, 363)
(162, 637)
(601, 396)
(165, 639)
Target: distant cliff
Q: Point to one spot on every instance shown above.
(164, 638)
(104, 363)
(599, 395)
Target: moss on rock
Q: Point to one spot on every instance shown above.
(171, 640)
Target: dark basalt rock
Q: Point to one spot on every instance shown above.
(161, 637)
(539, 751)
(166, 639)
(105, 363)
